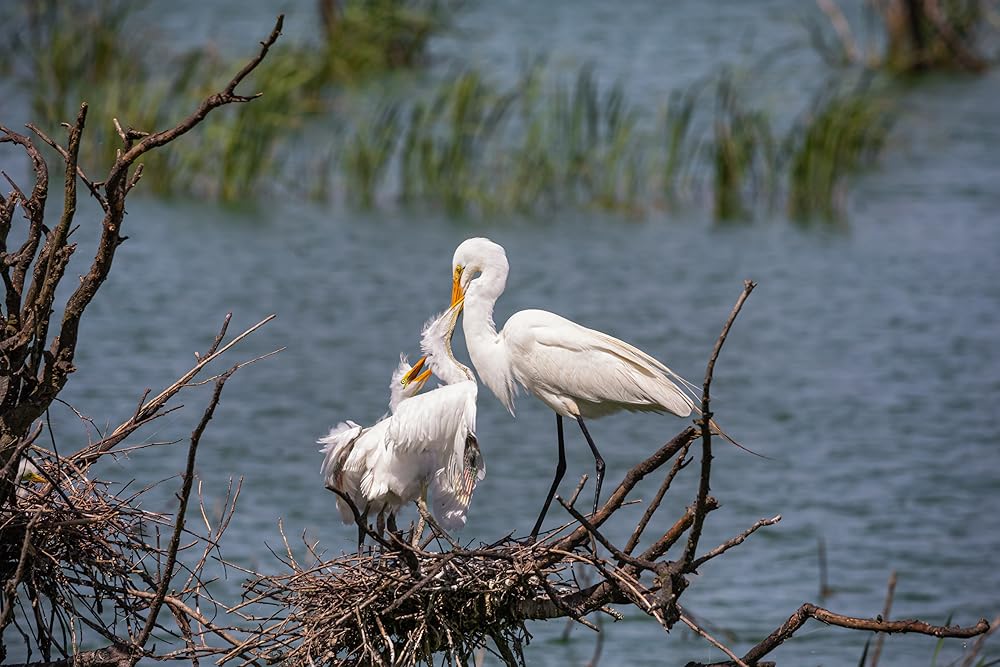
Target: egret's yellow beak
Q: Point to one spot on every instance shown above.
(33, 477)
(414, 375)
(457, 295)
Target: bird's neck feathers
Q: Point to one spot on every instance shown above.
(489, 354)
(435, 342)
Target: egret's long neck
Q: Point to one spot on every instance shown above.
(486, 347)
(443, 363)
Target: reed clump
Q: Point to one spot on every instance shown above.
(537, 146)
(61, 52)
(838, 136)
(546, 142)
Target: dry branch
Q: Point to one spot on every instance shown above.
(80, 565)
(35, 368)
(807, 611)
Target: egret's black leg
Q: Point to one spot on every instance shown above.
(598, 461)
(391, 523)
(361, 531)
(560, 471)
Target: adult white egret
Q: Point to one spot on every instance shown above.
(349, 440)
(578, 372)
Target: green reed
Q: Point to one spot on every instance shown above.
(62, 52)
(840, 134)
(367, 37)
(546, 142)
(742, 151)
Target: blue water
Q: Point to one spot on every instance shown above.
(865, 365)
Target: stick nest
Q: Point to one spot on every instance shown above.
(402, 607)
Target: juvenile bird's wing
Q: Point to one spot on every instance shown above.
(338, 445)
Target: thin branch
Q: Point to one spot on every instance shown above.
(889, 593)
(148, 411)
(10, 587)
(686, 620)
(669, 538)
(729, 544)
(227, 96)
(615, 551)
(679, 463)
(706, 431)
(807, 611)
(633, 477)
(175, 539)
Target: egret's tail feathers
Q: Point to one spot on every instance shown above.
(337, 446)
(714, 425)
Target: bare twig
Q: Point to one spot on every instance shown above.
(688, 621)
(729, 544)
(706, 430)
(889, 593)
(679, 463)
(168, 569)
(807, 611)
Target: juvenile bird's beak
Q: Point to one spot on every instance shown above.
(457, 295)
(414, 373)
(34, 478)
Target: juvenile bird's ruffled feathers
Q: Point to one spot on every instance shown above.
(338, 445)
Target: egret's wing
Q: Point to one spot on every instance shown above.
(430, 421)
(556, 356)
(338, 446)
(453, 493)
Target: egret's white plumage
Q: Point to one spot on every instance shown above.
(348, 446)
(464, 465)
(27, 474)
(427, 443)
(578, 372)
(430, 440)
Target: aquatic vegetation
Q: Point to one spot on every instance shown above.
(367, 154)
(444, 148)
(840, 134)
(366, 37)
(466, 146)
(676, 125)
(61, 52)
(742, 152)
(907, 36)
(548, 141)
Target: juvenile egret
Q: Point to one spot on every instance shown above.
(578, 372)
(451, 412)
(349, 440)
(430, 442)
(427, 443)
(27, 473)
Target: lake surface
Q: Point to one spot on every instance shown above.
(865, 365)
